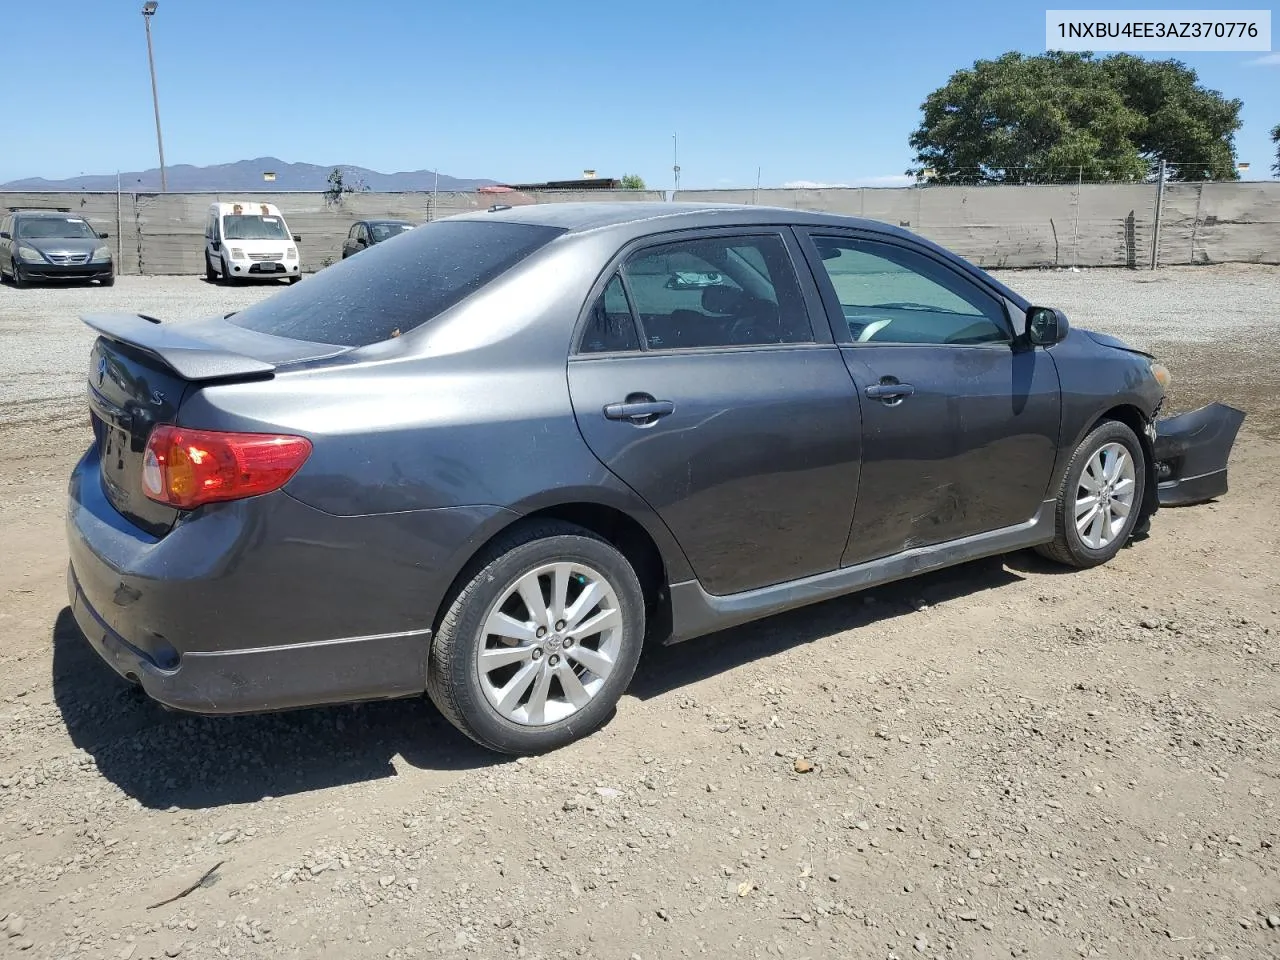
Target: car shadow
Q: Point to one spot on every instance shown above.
(1028, 561)
(666, 668)
(165, 759)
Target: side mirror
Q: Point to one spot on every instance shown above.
(1046, 326)
(4, 235)
(103, 235)
(296, 238)
(216, 245)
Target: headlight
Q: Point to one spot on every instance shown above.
(292, 254)
(30, 253)
(237, 253)
(101, 255)
(1161, 373)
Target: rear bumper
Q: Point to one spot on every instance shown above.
(265, 603)
(1191, 452)
(265, 678)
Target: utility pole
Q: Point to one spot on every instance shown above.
(1155, 232)
(119, 228)
(149, 11)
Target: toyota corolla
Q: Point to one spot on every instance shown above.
(491, 456)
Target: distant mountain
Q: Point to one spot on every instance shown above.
(247, 175)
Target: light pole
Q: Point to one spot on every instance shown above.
(675, 158)
(149, 11)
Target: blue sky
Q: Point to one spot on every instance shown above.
(811, 90)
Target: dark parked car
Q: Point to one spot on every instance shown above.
(50, 245)
(489, 459)
(365, 233)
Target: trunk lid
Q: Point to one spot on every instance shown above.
(128, 395)
(140, 370)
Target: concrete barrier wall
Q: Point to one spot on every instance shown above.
(1099, 225)
(164, 233)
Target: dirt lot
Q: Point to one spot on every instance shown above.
(1003, 759)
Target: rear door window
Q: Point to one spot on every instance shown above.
(364, 300)
(717, 292)
(610, 326)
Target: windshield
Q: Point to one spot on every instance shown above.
(55, 228)
(253, 228)
(385, 231)
(390, 290)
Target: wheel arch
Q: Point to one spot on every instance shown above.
(652, 553)
(1132, 417)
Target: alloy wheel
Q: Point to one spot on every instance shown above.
(549, 643)
(1105, 495)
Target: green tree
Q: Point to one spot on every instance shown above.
(632, 181)
(339, 187)
(1275, 138)
(1059, 116)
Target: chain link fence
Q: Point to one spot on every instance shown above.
(1059, 224)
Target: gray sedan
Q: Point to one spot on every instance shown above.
(52, 245)
(491, 456)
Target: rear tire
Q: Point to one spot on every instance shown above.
(1100, 497)
(543, 685)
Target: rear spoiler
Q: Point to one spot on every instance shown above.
(188, 356)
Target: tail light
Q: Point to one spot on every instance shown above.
(185, 468)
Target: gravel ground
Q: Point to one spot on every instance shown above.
(46, 371)
(997, 760)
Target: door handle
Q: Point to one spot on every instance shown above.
(890, 391)
(639, 411)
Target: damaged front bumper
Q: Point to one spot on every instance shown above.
(1191, 452)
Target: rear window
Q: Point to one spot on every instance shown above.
(392, 289)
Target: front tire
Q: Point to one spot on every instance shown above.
(541, 641)
(210, 275)
(109, 280)
(1100, 497)
(19, 278)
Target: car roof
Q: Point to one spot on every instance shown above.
(58, 214)
(244, 204)
(384, 220)
(585, 216)
(634, 219)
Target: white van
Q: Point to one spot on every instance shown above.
(249, 241)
